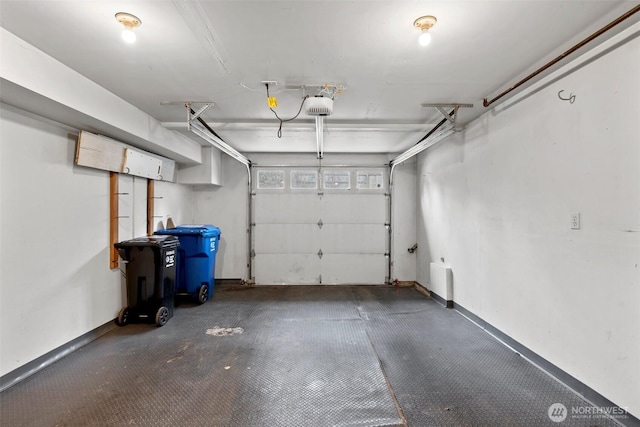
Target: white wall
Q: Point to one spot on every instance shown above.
(173, 201)
(404, 222)
(132, 207)
(226, 208)
(55, 281)
(496, 202)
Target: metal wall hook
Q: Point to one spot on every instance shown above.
(571, 97)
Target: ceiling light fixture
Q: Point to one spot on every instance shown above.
(130, 22)
(424, 23)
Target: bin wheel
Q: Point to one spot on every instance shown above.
(203, 293)
(162, 316)
(123, 317)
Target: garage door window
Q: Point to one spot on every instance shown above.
(304, 179)
(336, 180)
(369, 180)
(271, 180)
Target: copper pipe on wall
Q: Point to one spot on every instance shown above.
(602, 30)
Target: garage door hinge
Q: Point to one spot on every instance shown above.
(253, 253)
(320, 254)
(320, 224)
(387, 254)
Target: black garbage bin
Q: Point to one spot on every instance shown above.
(151, 279)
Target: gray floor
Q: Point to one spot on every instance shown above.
(307, 356)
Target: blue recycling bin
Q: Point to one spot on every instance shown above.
(195, 274)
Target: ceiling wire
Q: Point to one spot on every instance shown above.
(249, 88)
(196, 19)
(260, 90)
(331, 90)
(304, 98)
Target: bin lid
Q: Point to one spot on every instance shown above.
(159, 241)
(205, 230)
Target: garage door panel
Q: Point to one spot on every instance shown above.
(353, 238)
(354, 269)
(354, 209)
(286, 208)
(278, 269)
(287, 239)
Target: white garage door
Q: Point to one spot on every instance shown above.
(326, 227)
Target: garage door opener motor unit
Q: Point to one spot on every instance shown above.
(319, 106)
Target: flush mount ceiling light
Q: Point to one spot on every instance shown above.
(424, 23)
(130, 22)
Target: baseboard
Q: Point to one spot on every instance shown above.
(25, 371)
(446, 303)
(589, 394)
(229, 282)
(424, 291)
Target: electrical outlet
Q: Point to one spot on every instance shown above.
(575, 221)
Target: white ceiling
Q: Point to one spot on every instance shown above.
(220, 51)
